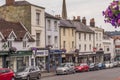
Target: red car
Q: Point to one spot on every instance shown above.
(6, 74)
(82, 67)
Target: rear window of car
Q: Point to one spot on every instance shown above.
(4, 70)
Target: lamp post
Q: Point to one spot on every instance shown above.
(34, 50)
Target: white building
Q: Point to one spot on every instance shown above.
(98, 41)
(32, 16)
(84, 41)
(109, 48)
(52, 31)
(15, 45)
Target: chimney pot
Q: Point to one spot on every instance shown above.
(84, 20)
(92, 22)
(74, 18)
(78, 18)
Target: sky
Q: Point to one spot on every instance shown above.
(83, 8)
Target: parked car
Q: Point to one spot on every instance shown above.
(65, 68)
(6, 74)
(115, 63)
(93, 66)
(28, 73)
(82, 67)
(101, 66)
(109, 64)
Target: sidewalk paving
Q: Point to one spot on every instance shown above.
(47, 74)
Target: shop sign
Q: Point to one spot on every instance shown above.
(42, 53)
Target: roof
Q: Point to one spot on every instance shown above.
(113, 33)
(23, 3)
(106, 36)
(7, 27)
(81, 27)
(66, 23)
(47, 15)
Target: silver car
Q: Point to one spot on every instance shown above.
(28, 73)
(65, 68)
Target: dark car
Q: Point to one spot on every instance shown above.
(93, 66)
(28, 73)
(6, 74)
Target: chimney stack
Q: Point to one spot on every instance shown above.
(10, 2)
(76, 18)
(84, 20)
(92, 22)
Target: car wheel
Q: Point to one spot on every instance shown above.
(39, 76)
(13, 78)
(28, 78)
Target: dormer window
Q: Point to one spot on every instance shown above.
(10, 39)
(25, 40)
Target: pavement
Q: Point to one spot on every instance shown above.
(47, 74)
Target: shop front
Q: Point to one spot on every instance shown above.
(3, 59)
(99, 56)
(86, 57)
(40, 59)
(107, 57)
(20, 59)
(54, 59)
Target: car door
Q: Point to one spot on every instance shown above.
(32, 72)
(2, 75)
(5, 75)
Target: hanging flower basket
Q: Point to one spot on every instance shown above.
(112, 14)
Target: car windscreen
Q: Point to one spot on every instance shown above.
(23, 69)
(62, 65)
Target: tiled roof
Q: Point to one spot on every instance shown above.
(66, 23)
(23, 3)
(7, 27)
(81, 27)
(47, 15)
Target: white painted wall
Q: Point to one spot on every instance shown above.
(38, 28)
(99, 35)
(108, 43)
(82, 42)
(52, 32)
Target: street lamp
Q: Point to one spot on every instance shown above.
(34, 50)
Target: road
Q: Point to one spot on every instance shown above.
(106, 74)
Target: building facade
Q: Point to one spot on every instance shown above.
(15, 45)
(84, 41)
(32, 17)
(98, 41)
(109, 48)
